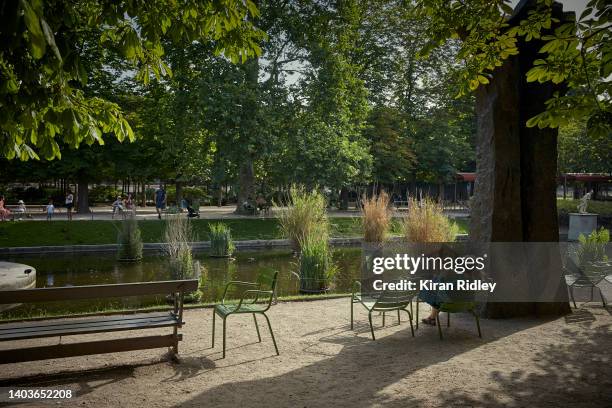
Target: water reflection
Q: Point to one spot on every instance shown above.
(69, 270)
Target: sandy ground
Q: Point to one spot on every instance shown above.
(517, 363)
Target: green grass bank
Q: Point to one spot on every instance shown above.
(51, 233)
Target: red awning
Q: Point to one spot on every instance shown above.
(588, 177)
(466, 176)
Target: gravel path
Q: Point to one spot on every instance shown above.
(519, 362)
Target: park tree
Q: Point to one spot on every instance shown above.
(521, 63)
(44, 46)
(580, 152)
(393, 153)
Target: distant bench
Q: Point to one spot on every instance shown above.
(97, 324)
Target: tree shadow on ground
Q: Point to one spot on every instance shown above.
(363, 372)
(577, 374)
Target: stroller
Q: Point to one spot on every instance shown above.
(192, 212)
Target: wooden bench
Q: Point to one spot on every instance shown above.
(27, 330)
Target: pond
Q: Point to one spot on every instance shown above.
(87, 269)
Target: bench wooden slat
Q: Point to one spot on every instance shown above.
(60, 321)
(88, 348)
(89, 328)
(97, 291)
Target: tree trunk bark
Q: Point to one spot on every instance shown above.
(515, 189)
(179, 193)
(82, 195)
(246, 184)
(344, 199)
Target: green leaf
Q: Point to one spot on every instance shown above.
(37, 41)
(50, 38)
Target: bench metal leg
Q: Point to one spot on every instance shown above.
(438, 324)
(383, 319)
(448, 319)
(271, 333)
(257, 327)
(399, 320)
(175, 346)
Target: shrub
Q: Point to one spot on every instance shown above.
(103, 194)
(178, 237)
(196, 194)
(376, 218)
(316, 266)
(129, 240)
(305, 214)
(426, 222)
(221, 242)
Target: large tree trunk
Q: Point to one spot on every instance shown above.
(246, 185)
(248, 126)
(515, 189)
(179, 193)
(82, 195)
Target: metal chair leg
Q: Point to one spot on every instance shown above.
(371, 327)
(438, 324)
(213, 329)
(448, 319)
(352, 304)
(257, 327)
(399, 320)
(271, 333)
(383, 319)
(477, 323)
(571, 290)
(417, 313)
(224, 335)
(410, 319)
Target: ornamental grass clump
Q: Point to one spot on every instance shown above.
(426, 222)
(592, 247)
(305, 214)
(129, 240)
(316, 266)
(221, 242)
(376, 218)
(178, 237)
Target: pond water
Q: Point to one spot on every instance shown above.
(86, 269)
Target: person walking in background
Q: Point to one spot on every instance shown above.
(21, 209)
(4, 212)
(129, 203)
(69, 204)
(50, 209)
(160, 200)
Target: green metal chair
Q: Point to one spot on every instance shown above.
(387, 301)
(263, 292)
(457, 303)
(457, 307)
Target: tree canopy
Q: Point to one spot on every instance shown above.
(42, 68)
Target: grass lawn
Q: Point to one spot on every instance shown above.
(42, 233)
